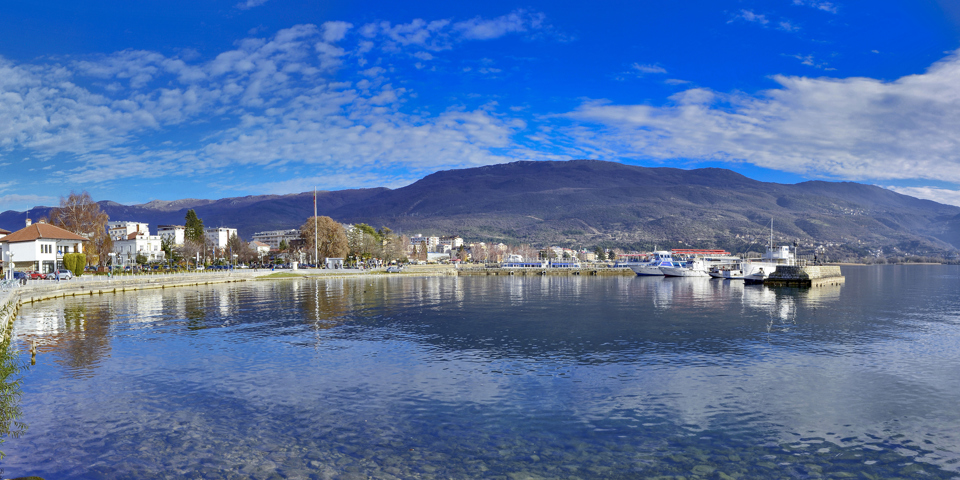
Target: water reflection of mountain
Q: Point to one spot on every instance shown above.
(586, 318)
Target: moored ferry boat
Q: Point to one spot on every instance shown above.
(649, 264)
(695, 268)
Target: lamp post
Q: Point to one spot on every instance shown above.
(12, 265)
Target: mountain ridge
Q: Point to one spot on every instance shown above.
(592, 202)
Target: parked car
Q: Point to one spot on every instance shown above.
(20, 275)
(394, 269)
(35, 275)
(63, 274)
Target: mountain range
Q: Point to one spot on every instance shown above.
(590, 202)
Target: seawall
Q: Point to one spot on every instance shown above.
(810, 276)
(99, 286)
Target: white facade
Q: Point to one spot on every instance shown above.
(172, 232)
(260, 247)
(219, 236)
(121, 230)
(38, 247)
(138, 244)
(430, 242)
(274, 237)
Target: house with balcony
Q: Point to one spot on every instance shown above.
(138, 243)
(39, 246)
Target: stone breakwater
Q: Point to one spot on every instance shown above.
(811, 276)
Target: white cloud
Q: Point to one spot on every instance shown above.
(250, 4)
(853, 128)
(419, 35)
(824, 6)
(279, 97)
(642, 69)
(762, 20)
(750, 16)
(810, 61)
(24, 202)
(514, 22)
(940, 195)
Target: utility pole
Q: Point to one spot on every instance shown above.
(316, 249)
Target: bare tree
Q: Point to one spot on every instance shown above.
(331, 237)
(79, 214)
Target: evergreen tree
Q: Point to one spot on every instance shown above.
(194, 227)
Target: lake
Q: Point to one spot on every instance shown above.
(498, 377)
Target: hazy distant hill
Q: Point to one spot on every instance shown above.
(587, 202)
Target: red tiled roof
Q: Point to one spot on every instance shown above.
(4, 232)
(41, 230)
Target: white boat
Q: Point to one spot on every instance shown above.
(695, 268)
(756, 270)
(728, 272)
(756, 277)
(650, 264)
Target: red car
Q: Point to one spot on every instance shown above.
(36, 276)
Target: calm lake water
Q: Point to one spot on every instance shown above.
(499, 377)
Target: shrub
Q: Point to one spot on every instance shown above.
(75, 263)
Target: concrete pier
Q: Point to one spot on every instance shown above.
(811, 276)
(586, 271)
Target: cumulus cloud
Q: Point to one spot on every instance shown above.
(277, 101)
(852, 128)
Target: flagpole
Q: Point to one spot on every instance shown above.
(316, 256)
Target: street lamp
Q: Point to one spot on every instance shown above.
(12, 265)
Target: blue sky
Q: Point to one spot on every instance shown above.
(168, 99)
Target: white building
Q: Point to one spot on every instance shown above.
(274, 237)
(120, 230)
(174, 233)
(260, 247)
(38, 246)
(430, 242)
(447, 244)
(138, 243)
(219, 236)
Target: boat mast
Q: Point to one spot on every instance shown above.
(771, 233)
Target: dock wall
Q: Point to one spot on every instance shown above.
(587, 271)
(810, 276)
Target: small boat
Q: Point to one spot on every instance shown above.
(757, 277)
(725, 272)
(695, 268)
